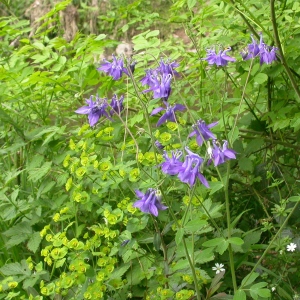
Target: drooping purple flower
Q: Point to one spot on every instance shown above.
(150, 202)
(160, 85)
(169, 114)
(116, 105)
(167, 67)
(115, 68)
(172, 165)
(220, 59)
(267, 54)
(202, 132)
(220, 155)
(190, 169)
(94, 110)
(253, 49)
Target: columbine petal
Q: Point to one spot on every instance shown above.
(83, 110)
(156, 111)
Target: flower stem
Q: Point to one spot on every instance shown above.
(231, 260)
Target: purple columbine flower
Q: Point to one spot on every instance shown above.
(190, 169)
(172, 165)
(169, 114)
(220, 155)
(266, 53)
(94, 110)
(150, 202)
(202, 132)
(220, 59)
(167, 67)
(160, 85)
(116, 105)
(114, 68)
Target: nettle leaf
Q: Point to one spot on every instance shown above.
(37, 173)
(34, 242)
(118, 273)
(16, 269)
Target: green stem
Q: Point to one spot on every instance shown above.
(231, 260)
(192, 268)
(278, 45)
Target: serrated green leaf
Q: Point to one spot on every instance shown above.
(34, 242)
(204, 256)
(222, 247)
(118, 273)
(195, 225)
(37, 173)
(260, 78)
(14, 269)
(179, 236)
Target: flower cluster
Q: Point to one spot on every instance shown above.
(187, 171)
(97, 109)
(267, 54)
(159, 79)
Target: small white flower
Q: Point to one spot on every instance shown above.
(273, 289)
(291, 247)
(280, 252)
(218, 268)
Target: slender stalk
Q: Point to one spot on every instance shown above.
(192, 268)
(231, 260)
(282, 57)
